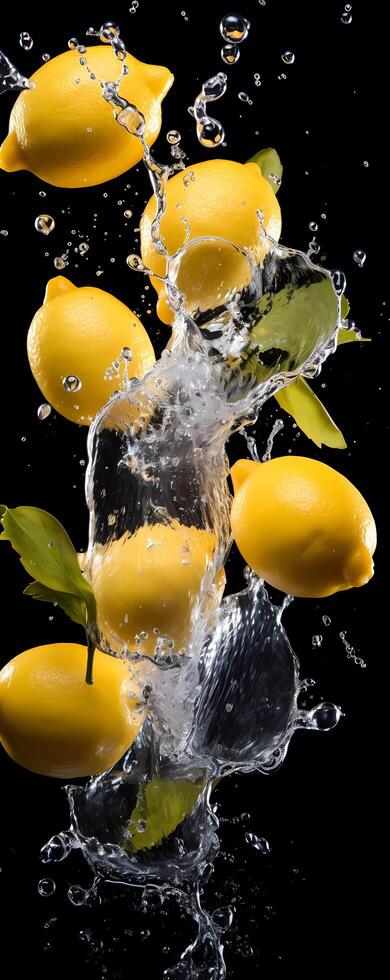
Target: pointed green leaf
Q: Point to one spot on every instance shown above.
(72, 605)
(348, 336)
(310, 414)
(46, 552)
(162, 804)
(270, 165)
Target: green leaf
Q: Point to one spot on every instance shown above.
(162, 804)
(47, 553)
(348, 336)
(72, 605)
(270, 165)
(310, 414)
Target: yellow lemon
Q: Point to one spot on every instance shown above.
(80, 344)
(55, 724)
(64, 131)
(302, 526)
(218, 198)
(148, 584)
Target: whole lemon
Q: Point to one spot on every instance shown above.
(55, 724)
(147, 584)
(65, 132)
(80, 344)
(302, 526)
(218, 199)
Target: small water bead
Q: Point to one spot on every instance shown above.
(325, 716)
(73, 43)
(234, 27)
(359, 257)
(4, 232)
(44, 223)
(45, 57)
(313, 226)
(43, 411)
(316, 641)
(128, 213)
(173, 137)
(288, 57)
(42, 193)
(46, 887)
(244, 97)
(26, 42)
(259, 843)
(59, 262)
(230, 54)
(83, 248)
(366, 163)
(134, 262)
(72, 383)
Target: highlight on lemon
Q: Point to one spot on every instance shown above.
(82, 344)
(302, 526)
(65, 132)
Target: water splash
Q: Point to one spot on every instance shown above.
(10, 77)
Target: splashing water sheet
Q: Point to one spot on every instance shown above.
(225, 697)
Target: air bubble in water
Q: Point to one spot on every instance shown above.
(72, 383)
(44, 411)
(44, 223)
(234, 27)
(230, 54)
(78, 895)
(325, 716)
(359, 257)
(288, 57)
(259, 843)
(46, 887)
(26, 42)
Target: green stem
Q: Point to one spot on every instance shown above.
(91, 653)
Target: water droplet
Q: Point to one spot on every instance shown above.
(45, 57)
(313, 226)
(259, 843)
(134, 262)
(316, 641)
(141, 826)
(83, 248)
(210, 133)
(73, 43)
(366, 163)
(127, 354)
(4, 233)
(57, 849)
(325, 716)
(326, 620)
(26, 42)
(43, 411)
(59, 262)
(44, 223)
(288, 57)
(339, 281)
(108, 32)
(244, 97)
(72, 383)
(173, 137)
(128, 213)
(46, 887)
(230, 54)
(234, 27)
(77, 895)
(359, 257)
(346, 16)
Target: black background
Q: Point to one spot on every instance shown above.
(313, 903)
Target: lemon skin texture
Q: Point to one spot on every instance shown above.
(150, 581)
(55, 724)
(302, 526)
(81, 332)
(218, 198)
(65, 132)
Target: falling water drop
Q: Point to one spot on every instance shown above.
(288, 57)
(46, 887)
(26, 42)
(230, 54)
(234, 27)
(259, 843)
(43, 411)
(325, 716)
(359, 257)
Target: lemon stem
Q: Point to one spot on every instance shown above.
(91, 653)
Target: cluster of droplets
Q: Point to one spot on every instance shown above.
(346, 14)
(234, 29)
